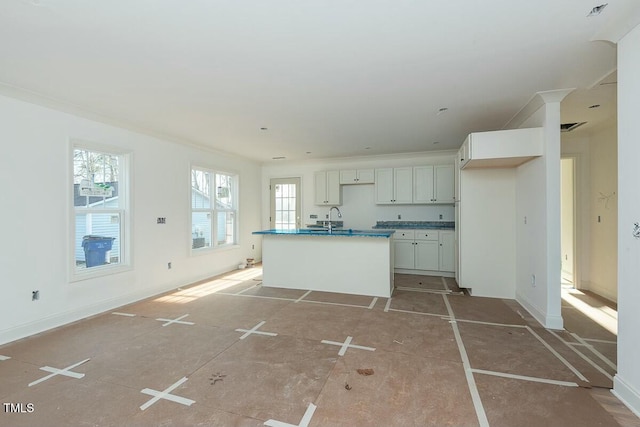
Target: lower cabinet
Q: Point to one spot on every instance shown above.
(424, 250)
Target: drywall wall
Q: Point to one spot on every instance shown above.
(487, 232)
(627, 380)
(603, 198)
(538, 215)
(358, 208)
(36, 174)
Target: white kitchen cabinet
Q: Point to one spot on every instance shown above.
(416, 250)
(394, 186)
(427, 250)
(357, 176)
(327, 188)
(500, 149)
(447, 250)
(433, 184)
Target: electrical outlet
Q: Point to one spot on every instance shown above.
(35, 295)
(168, 266)
(161, 220)
(399, 216)
(533, 280)
(598, 218)
(313, 216)
(440, 216)
(253, 246)
(525, 219)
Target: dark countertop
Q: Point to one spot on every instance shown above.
(427, 225)
(320, 232)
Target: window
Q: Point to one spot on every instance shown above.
(100, 211)
(213, 209)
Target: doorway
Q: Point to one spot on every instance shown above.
(568, 221)
(285, 203)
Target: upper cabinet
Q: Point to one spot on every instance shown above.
(327, 188)
(499, 149)
(394, 185)
(433, 184)
(357, 176)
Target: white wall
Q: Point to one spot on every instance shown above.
(35, 172)
(538, 215)
(358, 208)
(597, 196)
(603, 275)
(627, 380)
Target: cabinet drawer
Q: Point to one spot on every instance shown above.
(427, 235)
(404, 235)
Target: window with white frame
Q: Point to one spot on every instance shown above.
(100, 210)
(214, 208)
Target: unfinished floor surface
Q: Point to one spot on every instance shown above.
(228, 352)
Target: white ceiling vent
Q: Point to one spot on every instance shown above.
(568, 127)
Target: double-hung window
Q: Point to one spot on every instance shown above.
(214, 209)
(100, 211)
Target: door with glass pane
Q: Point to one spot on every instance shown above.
(285, 203)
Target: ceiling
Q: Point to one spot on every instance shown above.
(311, 79)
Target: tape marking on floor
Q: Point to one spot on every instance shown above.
(306, 419)
(555, 353)
(525, 378)
(66, 372)
(255, 330)
(471, 382)
(157, 395)
(346, 345)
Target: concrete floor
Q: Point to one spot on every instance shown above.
(229, 352)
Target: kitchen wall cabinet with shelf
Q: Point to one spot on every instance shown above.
(394, 186)
(327, 188)
(357, 176)
(433, 184)
(500, 149)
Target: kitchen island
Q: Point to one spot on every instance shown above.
(344, 261)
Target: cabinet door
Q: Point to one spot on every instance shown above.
(403, 185)
(423, 184)
(444, 184)
(404, 254)
(365, 176)
(427, 255)
(447, 251)
(320, 182)
(333, 188)
(349, 176)
(384, 186)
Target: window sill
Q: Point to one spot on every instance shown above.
(97, 272)
(208, 251)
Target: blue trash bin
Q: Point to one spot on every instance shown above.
(95, 249)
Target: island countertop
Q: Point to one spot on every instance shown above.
(322, 232)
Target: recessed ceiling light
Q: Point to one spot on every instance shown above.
(594, 106)
(264, 128)
(367, 148)
(278, 157)
(436, 142)
(441, 110)
(308, 152)
(597, 10)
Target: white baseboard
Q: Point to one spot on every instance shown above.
(603, 291)
(61, 319)
(627, 394)
(546, 320)
(424, 272)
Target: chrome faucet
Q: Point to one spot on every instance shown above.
(339, 216)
